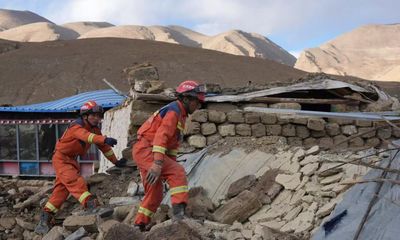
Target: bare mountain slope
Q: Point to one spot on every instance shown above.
(37, 72)
(13, 18)
(233, 42)
(38, 32)
(84, 27)
(370, 52)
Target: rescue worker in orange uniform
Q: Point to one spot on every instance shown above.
(156, 149)
(75, 142)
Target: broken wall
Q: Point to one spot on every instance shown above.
(224, 120)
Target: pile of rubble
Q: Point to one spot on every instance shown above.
(290, 201)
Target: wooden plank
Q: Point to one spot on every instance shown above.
(303, 100)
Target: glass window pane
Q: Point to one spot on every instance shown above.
(8, 142)
(47, 140)
(27, 142)
(61, 129)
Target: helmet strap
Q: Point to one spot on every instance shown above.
(185, 102)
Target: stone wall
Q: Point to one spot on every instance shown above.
(220, 120)
(207, 126)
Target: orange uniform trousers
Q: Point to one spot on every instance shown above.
(68, 180)
(172, 172)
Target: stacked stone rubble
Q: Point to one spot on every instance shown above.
(208, 126)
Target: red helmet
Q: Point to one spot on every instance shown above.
(90, 107)
(191, 88)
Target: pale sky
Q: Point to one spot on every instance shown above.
(293, 24)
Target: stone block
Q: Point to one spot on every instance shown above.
(302, 132)
(221, 107)
(54, 234)
(252, 117)
(258, 130)
(349, 130)
(197, 141)
(283, 118)
(227, 130)
(295, 106)
(295, 141)
(213, 139)
(363, 123)
(373, 142)
(325, 142)
(239, 208)
(88, 222)
(7, 222)
(289, 182)
(341, 121)
(289, 130)
(208, 128)
(139, 117)
(309, 169)
(384, 133)
(200, 116)
(133, 188)
(317, 124)
(268, 118)
(240, 185)
(299, 120)
(192, 128)
(372, 132)
(274, 130)
(396, 133)
(119, 201)
(235, 117)
(78, 234)
(243, 129)
(356, 142)
(332, 129)
(318, 134)
(309, 142)
(216, 116)
(340, 138)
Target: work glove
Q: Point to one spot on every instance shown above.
(154, 172)
(110, 141)
(121, 163)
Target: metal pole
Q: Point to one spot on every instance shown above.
(113, 88)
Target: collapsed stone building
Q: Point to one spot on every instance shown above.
(263, 162)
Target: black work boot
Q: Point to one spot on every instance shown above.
(46, 223)
(141, 227)
(178, 211)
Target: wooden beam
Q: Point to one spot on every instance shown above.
(152, 97)
(303, 100)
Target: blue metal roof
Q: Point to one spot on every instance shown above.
(106, 98)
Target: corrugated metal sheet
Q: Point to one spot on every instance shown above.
(311, 85)
(106, 98)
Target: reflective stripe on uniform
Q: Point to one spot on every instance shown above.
(145, 211)
(90, 138)
(179, 126)
(51, 207)
(159, 149)
(180, 189)
(172, 152)
(84, 196)
(109, 153)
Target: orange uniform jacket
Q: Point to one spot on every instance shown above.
(75, 141)
(164, 130)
